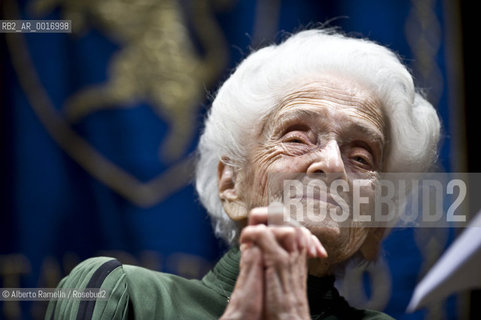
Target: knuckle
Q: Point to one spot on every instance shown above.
(306, 231)
(253, 229)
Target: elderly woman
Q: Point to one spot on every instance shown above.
(318, 103)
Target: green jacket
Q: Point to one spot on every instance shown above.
(139, 293)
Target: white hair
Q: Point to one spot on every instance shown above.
(262, 80)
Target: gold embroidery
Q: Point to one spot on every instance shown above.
(157, 64)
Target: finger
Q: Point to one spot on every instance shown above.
(285, 288)
(272, 215)
(321, 251)
(263, 236)
(251, 259)
(278, 215)
(247, 297)
(251, 272)
(258, 215)
(314, 248)
(305, 241)
(286, 236)
(318, 249)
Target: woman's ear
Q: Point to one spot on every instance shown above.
(228, 184)
(372, 244)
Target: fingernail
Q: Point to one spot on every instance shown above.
(302, 243)
(243, 246)
(313, 251)
(323, 251)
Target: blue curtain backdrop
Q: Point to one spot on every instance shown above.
(99, 127)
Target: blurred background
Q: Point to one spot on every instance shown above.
(98, 130)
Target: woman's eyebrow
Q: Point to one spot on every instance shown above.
(368, 131)
(280, 120)
(284, 119)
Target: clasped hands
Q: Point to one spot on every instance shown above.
(273, 270)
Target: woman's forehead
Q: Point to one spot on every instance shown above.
(328, 95)
(341, 89)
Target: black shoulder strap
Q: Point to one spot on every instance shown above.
(86, 307)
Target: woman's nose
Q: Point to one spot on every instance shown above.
(327, 160)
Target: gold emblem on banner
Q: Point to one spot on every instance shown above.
(157, 63)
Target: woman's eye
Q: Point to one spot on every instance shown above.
(294, 140)
(363, 161)
(296, 133)
(360, 159)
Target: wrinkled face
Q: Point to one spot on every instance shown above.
(332, 126)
